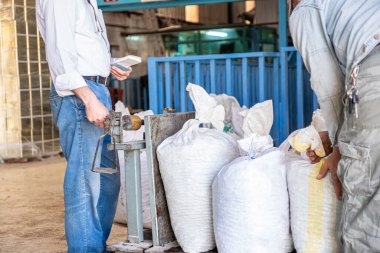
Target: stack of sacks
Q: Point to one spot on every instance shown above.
(250, 198)
(130, 136)
(314, 208)
(189, 161)
(233, 117)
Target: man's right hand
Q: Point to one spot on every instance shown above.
(327, 146)
(331, 164)
(96, 112)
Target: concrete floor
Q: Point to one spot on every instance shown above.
(32, 210)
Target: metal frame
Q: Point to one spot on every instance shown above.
(250, 77)
(135, 94)
(283, 23)
(132, 175)
(133, 192)
(125, 5)
(247, 76)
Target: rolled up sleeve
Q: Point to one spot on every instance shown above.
(61, 52)
(327, 79)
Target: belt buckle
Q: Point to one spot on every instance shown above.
(106, 79)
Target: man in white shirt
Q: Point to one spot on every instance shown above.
(78, 53)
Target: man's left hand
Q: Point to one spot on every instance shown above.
(119, 74)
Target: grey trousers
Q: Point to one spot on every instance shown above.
(359, 168)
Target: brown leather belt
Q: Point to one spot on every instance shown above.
(99, 79)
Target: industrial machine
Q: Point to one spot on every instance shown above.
(157, 128)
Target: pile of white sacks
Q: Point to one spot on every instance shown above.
(227, 186)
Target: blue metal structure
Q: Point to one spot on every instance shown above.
(135, 93)
(124, 5)
(250, 77)
(282, 23)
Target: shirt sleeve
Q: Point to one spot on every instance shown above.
(61, 52)
(327, 80)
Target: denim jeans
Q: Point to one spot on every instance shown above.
(90, 198)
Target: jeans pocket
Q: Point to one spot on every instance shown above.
(78, 103)
(101, 92)
(354, 169)
(55, 104)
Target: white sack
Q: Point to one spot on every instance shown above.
(228, 102)
(258, 119)
(238, 119)
(233, 119)
(130, 136)
(207, 110)
(314, 208)
(189, 161)
(307, 138)
(250, 199)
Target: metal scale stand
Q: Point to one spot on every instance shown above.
(157, 129)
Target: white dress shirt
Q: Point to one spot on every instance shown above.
(75, 40)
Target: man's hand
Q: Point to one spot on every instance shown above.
(119, 74)
(96, 112)
(331, 164)
(313, 156)
(326, 145)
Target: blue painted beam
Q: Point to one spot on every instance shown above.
(284, 111)
(124, 5)
(229, 73)
(168, 86)
(245, 81)
(182, 82)
(300, 93)
(261, 79)
(217, 56)
(152, 79)
(283, 26)
(213, 76)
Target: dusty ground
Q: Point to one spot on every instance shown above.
(31, 208)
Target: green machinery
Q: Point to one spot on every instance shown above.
(219, 39)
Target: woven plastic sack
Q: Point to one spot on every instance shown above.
(233, 120)
(238, 119)
(207, 110)
(130, 136)
(228, 102)
(189, 161)
(314, 208)
(250, 199)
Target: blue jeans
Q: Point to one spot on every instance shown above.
(90, 198)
